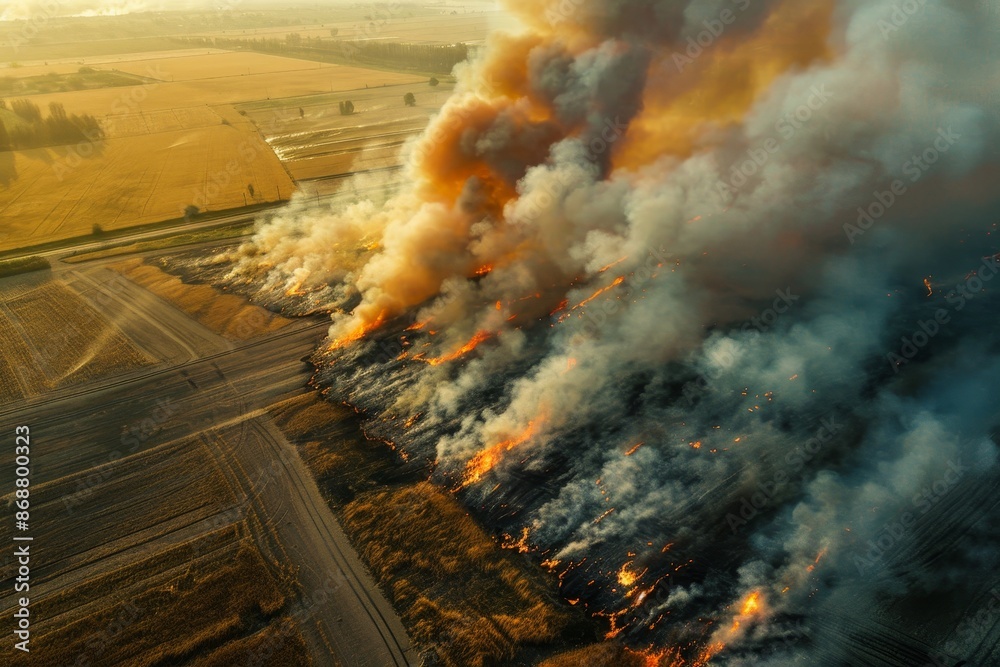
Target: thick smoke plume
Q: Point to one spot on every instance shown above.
(697, 302)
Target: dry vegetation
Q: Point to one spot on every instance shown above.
(608, 654)
(417, 537)
(458, 593)
(52, 338)
(226, 314)
(211, 602)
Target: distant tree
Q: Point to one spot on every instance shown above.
(3, 104)
(433, 82)
(27, 110)
(250, 189)
(409, 100)
(225, 121)
(293, 39)
(86, 70)
(57, 111)
(302, 112)
(334, 32)
(190, 211)
(4, 138)
(97, 230)
(346, 108)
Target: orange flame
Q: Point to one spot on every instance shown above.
(617, 281)
(486, 460)
(521, 544)
(634, 449)
(358, 333)
(473, 343)
(612, 264)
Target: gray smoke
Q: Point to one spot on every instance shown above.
(728, 307)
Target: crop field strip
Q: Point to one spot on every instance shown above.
(396, 26)
(138, 180)
(227, 314)
(318, 142)
(53, 338)
(177, 544)
(166, 94)
(75, 394)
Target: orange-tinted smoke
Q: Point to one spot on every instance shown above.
(720, 85)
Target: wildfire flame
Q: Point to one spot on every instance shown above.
(479, 337)
(615, 283)
(486, 460)
(359, 332)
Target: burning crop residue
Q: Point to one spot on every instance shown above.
(634, 253)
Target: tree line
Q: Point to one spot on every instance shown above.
(398, 55)
(34, 130)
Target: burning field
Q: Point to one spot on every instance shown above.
(692, 303)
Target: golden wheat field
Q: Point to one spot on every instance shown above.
(233, 88)
(63, 192)
(170, 143)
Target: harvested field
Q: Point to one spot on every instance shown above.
(53, 338)
(70, 49)
(279, 644)
(458, 593)
(54, 82)
(228, 315)
(214, 601)
(186, 66)
(418, 25)
(171, 94)
(153, 574)
(58, 193)
(319, 142)
(172, 241)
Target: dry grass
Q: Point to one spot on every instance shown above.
(229, 315)
(455, 589)
(417, 537)
(10, 388)
(608, 654)
(213, 602)
(53, 338)
(279, 644)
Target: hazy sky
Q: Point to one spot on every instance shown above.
(41, 9)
